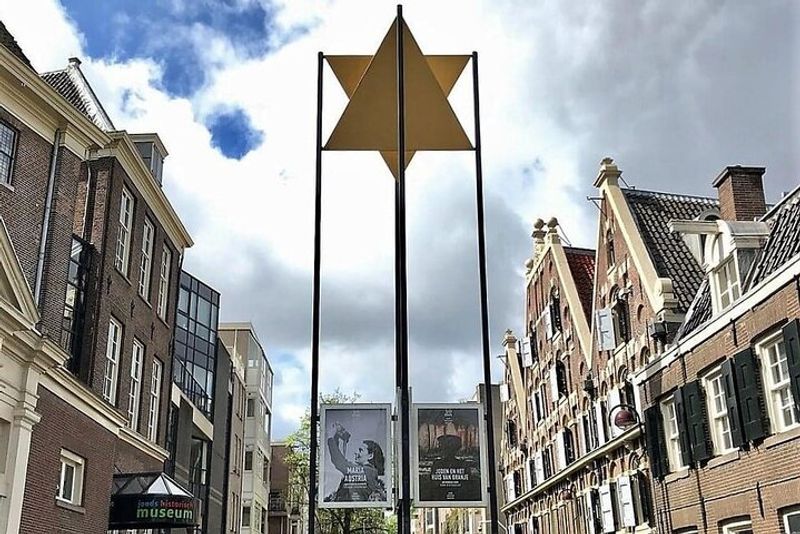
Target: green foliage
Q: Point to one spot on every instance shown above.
(329, 521)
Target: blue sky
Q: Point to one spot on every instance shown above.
(173, 34)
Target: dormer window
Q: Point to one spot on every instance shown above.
(152, 151)
(727, 283)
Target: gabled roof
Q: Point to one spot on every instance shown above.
(782, 245)
(75, 88)
(7, 40)
(581, 265)
(671, 258)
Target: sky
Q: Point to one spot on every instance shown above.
(673, 91)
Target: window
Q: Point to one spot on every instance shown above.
(621, 316)
(248, 460)
(611, 256)
(672, 435)
(72, 322)
(163, 282)
(791, 521)
(775, 368)
(8, 145)
(265, 471)
(251, 407)
(134, 394)
(146, 263)
(246, 516)
(124, 232)
(155, 394)
(113, 349)
(70, 482)
(561, 379)
(727, 283)
(739, 527)
(719, 422)
(569, 446)
(511, 433)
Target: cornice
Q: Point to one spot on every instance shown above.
(122, 148)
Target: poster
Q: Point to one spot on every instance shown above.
(356, 449)
(449, 463)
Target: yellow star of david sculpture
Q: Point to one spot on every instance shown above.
(369, 121)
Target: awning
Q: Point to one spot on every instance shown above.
(151, 500)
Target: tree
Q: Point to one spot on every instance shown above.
(329, 521)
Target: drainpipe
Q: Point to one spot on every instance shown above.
(48, 208)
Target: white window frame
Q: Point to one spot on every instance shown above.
(785, 519)
(70, 459)
(728, 288)
(135, 391)
(113, 351)
(718, 421)
(737, 527)
(146, 263)
(124, 230)
(163, 282)
(155, 397)
(672, 435)
(778, 393)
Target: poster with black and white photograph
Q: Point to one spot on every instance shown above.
(449, 463)
(356, 448)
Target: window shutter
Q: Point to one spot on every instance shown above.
(510, 487)
(530, 469)
(697, 421)
(547, 322)
(607, 508)
(791, 339)
(754, 422)
(625, 500)
(534, 417)
(601, 428)
(505, 394)
(613, 402)
(561, 452)
(732, 403)
(554, 384)
(606, 337)
(683, 427)
(527, 356)
(538, 461)
(654, 440)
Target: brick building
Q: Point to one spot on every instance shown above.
(573, 452)
(721, 404)
(90, 249)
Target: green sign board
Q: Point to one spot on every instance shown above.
(153, 511)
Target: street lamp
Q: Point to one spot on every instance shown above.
(624, 417)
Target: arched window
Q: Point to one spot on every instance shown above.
(569, 446)
(561, 379)
(611, 256)
(619, 311)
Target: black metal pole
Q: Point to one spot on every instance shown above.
(487, 360)
(315, 312)
(404, 524)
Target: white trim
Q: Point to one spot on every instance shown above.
(672, 434)
(719, 422)
(772, 391)
(737, 527)
(78, 465)
(135, 389)
(113, 352)
(155, 400)
(146, 261)
(163, 282)
(122, 252)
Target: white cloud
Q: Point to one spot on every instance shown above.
(562, 85)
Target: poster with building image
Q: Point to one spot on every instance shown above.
(356, 449)
(449, 464)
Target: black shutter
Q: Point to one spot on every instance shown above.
(683, 427)
(654, 441)
(791, 339)
(697, 421)
(751, 397)
(732, 403)
(596, 512)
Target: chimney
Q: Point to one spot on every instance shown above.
(741, 193)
